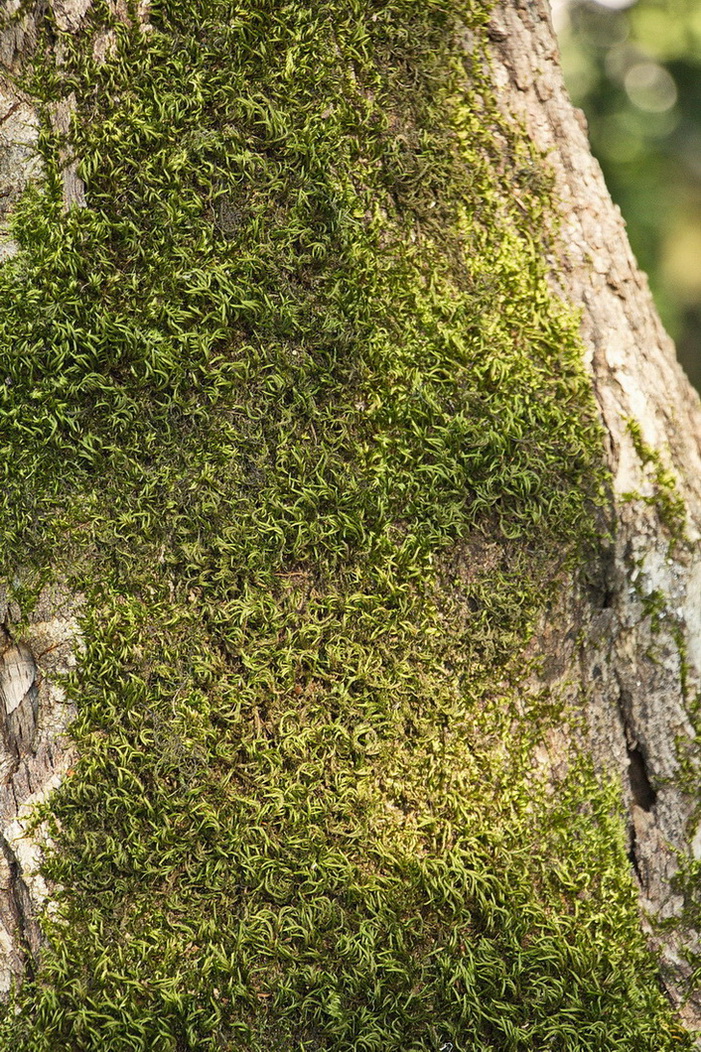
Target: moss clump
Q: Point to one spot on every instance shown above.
(292, 404)
(666, 497)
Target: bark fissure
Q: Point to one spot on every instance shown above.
(19, 915)
(643, 792)
(633, 853)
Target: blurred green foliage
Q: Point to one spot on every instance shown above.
(636, 72)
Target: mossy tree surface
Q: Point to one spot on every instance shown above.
(291, 404)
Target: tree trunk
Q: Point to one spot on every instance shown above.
(639, 667)
(364, 574)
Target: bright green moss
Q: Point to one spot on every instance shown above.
(291, 402)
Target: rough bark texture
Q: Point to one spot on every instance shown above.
(19, 125)
(34, 755)
(640, 672)
(632, 641)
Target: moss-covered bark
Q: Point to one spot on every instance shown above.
(291, 404)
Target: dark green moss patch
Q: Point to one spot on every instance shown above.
(291, 403)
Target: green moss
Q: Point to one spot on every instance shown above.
(671, 510)
(292, 404)
(666, 497)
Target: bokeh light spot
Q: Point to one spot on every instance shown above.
(650, 87)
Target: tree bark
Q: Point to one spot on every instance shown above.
(625, 641)
(641, 676)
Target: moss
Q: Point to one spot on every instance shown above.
(671, 511)
(291, 403)
(666, 497)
